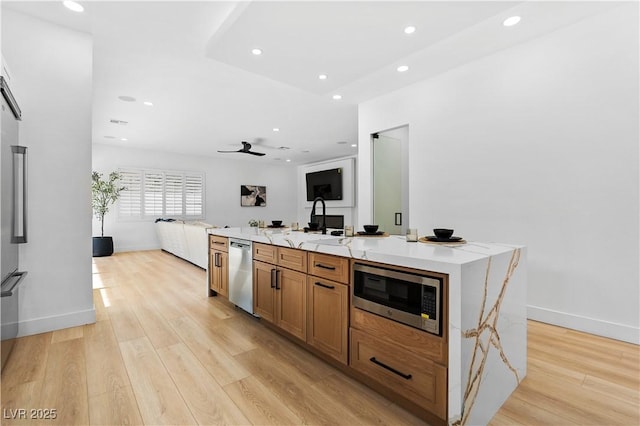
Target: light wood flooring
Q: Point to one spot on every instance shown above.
(161, 352)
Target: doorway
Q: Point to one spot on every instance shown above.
(390, 180)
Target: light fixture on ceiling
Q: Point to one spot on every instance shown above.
(124, 139)
(126, 98)
(511, 21)
(410, 29)
(256, 51)
(353, 145)
(275, 129)
(147, 103)
(288, 160)
(337, 97)
(322, 77)
(72, 5)
(402, 68)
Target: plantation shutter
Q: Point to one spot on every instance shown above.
(130, 201)
(174, 190)
(161, 194)
(194, 190)
(153, 194)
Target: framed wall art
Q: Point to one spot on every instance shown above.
(253, 196)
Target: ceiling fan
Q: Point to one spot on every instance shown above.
(246, 149)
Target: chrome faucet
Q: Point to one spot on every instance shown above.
(324, 214)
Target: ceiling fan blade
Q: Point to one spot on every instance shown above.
(230, 151)
(255, 153)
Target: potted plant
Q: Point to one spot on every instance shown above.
(104, 192)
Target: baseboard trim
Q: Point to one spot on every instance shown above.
(145, 247)
(56, 322)
(598, 327)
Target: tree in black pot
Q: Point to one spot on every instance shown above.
(104, 192)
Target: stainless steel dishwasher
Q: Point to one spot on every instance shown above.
(241, 273)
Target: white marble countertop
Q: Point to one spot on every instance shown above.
(393, 249)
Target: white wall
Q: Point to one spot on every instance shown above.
(222, 198)
(536, 144)
(52, 72)
(345, 207)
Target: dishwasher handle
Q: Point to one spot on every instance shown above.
(242, 246)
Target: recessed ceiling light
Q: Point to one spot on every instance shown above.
(509, 22)
(72, 5)
(288, 160)
(353, 145)
(410, 29)
(322, 76)
(337, 97)
(275, 129)
(127, 98)
(124, 139)
(403, 68)
(147, 103)
(256, 51)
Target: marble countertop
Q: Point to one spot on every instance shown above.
(393, 249)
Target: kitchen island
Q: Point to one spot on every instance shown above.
(486, 328)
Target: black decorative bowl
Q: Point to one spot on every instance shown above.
(276, 223)
(370, 229)
(443, 233)
(314, 226)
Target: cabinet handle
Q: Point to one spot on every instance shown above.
(274, 277)
(218, 242)
(393, 370)
(324, 285)
(216, 261)
(320, 265)
(278, 279)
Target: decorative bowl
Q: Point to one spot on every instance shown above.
(314, 226)
(276, 223)
(443, 233)
(370, 229)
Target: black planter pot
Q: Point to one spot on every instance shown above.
(102, 246)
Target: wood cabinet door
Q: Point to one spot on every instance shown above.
(264, 290)
(223, 273)
(327, 326)
(291, 290)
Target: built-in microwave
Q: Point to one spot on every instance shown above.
(408, 298)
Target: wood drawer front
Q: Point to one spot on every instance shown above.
(417, 379)
(292, 258)
(265, 252)
(330, 267)
(218, 243)
(416, 341)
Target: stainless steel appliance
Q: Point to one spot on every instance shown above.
(411, 299)
(12, 217)
(241, 274)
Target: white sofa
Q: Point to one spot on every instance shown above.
(188, 240)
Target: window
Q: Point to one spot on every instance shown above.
(159, 193)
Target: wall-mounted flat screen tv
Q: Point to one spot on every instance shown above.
(326, 184)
